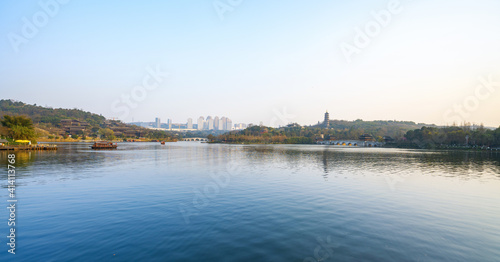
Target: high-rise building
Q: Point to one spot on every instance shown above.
(210, 123)
(201, 122)
(240, 126)
(169, 122)
(216, 123)
(157, 122)
(222, 124)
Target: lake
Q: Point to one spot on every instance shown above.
(191, 201)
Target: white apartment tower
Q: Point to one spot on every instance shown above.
(216, 123)
(201, 122)
(157, 122)
(210, 123)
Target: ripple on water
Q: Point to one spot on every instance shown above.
(280, 203)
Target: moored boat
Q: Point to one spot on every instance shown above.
(104, 145)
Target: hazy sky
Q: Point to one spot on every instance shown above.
(271, 61)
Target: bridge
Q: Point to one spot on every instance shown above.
(351, 143)
(195, 139)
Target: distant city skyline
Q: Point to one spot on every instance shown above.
(210, 123)
(430, 62)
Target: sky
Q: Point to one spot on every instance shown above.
(271, 61)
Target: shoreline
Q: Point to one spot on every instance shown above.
(28, 147)
(386, 146)
(42, 140)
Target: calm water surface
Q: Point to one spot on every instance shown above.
(189, 201)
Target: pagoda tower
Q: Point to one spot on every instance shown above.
(326, 122)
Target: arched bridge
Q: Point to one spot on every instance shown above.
(351, 143)
(194, 139)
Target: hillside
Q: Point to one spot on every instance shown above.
(338, 129)
(343, 129)
(51, 122)
(48, 115)
(395, 134)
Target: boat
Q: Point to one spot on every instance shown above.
(162, 142)
(104, 145)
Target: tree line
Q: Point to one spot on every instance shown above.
(18, 128)
(451, 136)
(424, 137)
(48, 121)
(47, 115)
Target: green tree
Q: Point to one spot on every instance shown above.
(11, 121)
(107, 133)
(19, 127)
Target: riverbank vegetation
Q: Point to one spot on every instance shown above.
(60, 124)
(17, 128)
(337, 129)
(465, 136)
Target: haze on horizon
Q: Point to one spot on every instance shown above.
(424, 61)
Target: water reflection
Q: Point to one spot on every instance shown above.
(277, 202)
(77, 160)
(23, 158)
(337, 161)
